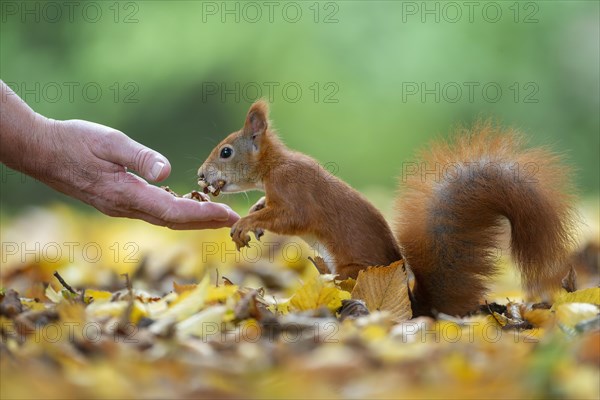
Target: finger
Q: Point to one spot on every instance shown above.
(125, 151)
(157, 206)
(203, 225)
(175, 210)
(180, 226)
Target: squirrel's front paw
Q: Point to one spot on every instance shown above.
(239, 233)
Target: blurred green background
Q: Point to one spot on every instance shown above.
(357, 84)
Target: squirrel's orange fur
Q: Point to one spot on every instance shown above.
(448, 221)
(448, 214)
(302, 199)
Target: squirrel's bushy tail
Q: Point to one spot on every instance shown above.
(452, 205)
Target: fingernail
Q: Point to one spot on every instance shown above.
(156, 170)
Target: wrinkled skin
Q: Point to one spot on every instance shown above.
(90, 162)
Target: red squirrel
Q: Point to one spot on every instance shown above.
(448, 213)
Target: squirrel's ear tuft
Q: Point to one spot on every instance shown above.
(257, 119)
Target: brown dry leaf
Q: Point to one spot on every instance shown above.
(569, 282)
(177, 288)
(385, 288)
(347, 284)
(539, 317)
(320, 264)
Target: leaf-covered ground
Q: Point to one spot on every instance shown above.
(144, 312)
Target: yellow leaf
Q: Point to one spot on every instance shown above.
(501, 319)
(220, 293)
(33, 305)
(458, 365)
(348, 284)
(111, 309)
(570, 314)
(385, 288)
(317, 292)
(280, 307)
(138, 312)
(187, 304)
(374, 332)
(98, 295)
(206, 324)
(115, 309)
(591, 295)
(332, 297)
(53, 295)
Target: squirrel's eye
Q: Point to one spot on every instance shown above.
(226, 152)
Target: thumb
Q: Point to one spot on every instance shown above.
(150, 164)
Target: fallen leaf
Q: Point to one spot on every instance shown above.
(385, 288)
(53, 295)
(220, 293)
(347, 284)
(98, 295)
(591, 295)
(177, 288)
(318, 292)
(539, 317)
(568, 315)
(569, 282)
(206, 324)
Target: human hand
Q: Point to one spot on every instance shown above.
(89, 161)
